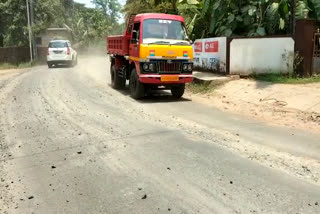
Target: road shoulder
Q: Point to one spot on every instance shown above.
(295, 106)
(13, 71)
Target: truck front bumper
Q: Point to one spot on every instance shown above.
(156, 79)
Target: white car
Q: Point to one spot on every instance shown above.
(61, 52)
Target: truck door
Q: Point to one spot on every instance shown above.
(134, 50)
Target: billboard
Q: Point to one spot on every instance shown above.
(211, 47)
(210, 54)
(198, 47)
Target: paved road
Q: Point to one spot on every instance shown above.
(71, 144)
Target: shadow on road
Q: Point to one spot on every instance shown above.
(61, 66)
(157, 96)
(162, 97)
(263, 85)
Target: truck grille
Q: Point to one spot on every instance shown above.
(165, 67)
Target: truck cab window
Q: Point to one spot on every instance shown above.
(136, 32)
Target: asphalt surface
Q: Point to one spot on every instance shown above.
(71, 144)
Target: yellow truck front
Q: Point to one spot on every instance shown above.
(159, 55)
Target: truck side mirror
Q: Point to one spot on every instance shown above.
(134, 41)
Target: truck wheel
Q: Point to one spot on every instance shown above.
(49, 65)
(136, 87)
(178, 90)
(117, 82)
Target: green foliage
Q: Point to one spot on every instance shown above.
(155, 6)
(314, 6)
(20, 65)
(110, 8)
(285, 78)
(88, 24)
(206, 18)
(10, 11)
(7, 66)
(14, 19)
(200, 88)
(91, 25)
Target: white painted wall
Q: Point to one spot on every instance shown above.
(261, 55)
(210, 54)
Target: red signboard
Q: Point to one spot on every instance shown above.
(198, 47)
(211, 47)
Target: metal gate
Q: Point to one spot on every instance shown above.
(316, 53)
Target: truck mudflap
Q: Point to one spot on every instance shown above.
(165, 79)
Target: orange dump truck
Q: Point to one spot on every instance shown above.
(154, 53)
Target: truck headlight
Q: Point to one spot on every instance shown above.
(190, 67)
(146, 66)
(185, 67)
(152, 67)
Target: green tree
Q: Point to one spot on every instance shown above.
(146, 6)
(88, 24)
(91, 25)
(14, 19)
(110, 8)
(230, 17)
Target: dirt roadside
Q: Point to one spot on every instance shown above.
(296, 106)
(13, 71)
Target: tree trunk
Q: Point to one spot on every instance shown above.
(174, 7)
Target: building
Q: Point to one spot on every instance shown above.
(44, 37)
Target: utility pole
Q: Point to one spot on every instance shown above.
(34, 45)
(29, 29)
(293, 18)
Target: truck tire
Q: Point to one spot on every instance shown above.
(136, 87)
(178, 91)
(117, 82)
(50, 65)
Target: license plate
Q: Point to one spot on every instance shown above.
(170, 57)
(57, 52)
(169, 78)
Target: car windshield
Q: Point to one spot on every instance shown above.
(164, 31)
(58, 45)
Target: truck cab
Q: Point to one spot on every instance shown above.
(154, 53)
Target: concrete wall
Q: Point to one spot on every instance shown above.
(261, 55)
(210, 54)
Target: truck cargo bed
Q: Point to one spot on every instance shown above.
(118, 45)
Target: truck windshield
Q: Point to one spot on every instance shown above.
(164, 32)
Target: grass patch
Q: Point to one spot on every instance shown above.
(285, 78)
(5, 66)
(200, 88)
